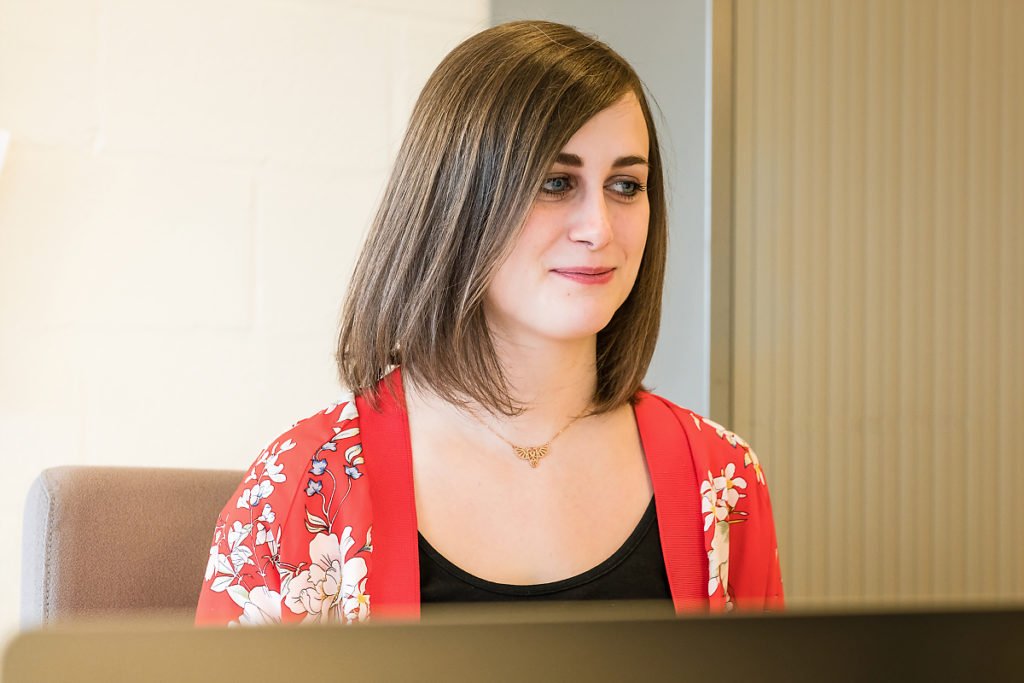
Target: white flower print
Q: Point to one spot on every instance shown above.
(750, 458)
(349, 411)
(348, 400)
(267, 515)
(219, 564)
(273, 470)
(240, 554)
(718, 560)
(719, 495)
(722, 432)
(238, 533)
(260, 606)
(356, 603)
(211, 566)
(340, 433)
(719, 498)
(252, 497)
(734, 440)
(266, 535)
(729, 486)
(712, 506)
(268, 458)
(331, 588)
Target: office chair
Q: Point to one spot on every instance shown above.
(115, 540)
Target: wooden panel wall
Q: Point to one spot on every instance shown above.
(877, 291)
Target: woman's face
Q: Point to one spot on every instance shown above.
(578, 255)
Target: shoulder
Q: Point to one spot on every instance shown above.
(714, 446)
(290, 454)
(317, 452)
(292, 463)
(295, 512)
(739, 529)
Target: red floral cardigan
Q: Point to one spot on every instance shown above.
(323, 528)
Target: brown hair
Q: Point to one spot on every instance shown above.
(483, 135)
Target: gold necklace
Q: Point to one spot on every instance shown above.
(531, 454)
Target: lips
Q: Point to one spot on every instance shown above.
(591, 275)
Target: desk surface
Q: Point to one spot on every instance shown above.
(592, 642)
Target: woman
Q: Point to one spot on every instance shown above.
(511, 284)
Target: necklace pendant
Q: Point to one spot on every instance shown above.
(531, 454)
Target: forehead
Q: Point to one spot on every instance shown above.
(618, 130)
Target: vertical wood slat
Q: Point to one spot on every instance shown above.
(940, 254)
(853, 351)
(1012, 396)
(791, 252)
(870, 289)
(817, 270)
(981, 473)
(742, 159)
(764, 221)
(956, 484)
(889, 18)
(836, 402)
(913, 120)
(922, 219)
(1009, 238)
(878, 153)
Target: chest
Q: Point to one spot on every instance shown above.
(497, 518)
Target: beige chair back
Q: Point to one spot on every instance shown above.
(113, 540)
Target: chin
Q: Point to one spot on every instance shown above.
(562, 321)
(574, 327)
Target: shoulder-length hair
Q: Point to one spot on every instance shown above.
(482, 137)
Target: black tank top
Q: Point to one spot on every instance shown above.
(635, 572)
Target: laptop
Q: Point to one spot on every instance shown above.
(534, 642)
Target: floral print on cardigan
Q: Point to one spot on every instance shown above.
(291, 547)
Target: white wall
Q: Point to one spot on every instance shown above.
(667, 43)
(185, 188)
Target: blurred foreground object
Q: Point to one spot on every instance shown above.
(589, 642)
(115, 540)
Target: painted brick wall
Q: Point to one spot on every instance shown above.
(185, 189)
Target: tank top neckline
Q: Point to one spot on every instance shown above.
(632, 542)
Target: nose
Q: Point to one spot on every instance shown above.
(591, 223)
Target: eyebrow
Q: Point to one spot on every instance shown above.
(576, 161)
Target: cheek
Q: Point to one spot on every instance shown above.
(511, 276)
(530, 248)
(640, 240)
(634, 236)
(633, 244)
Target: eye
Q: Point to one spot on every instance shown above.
(556, 185)
(627, 188)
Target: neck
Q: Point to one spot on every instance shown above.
(552, 380)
